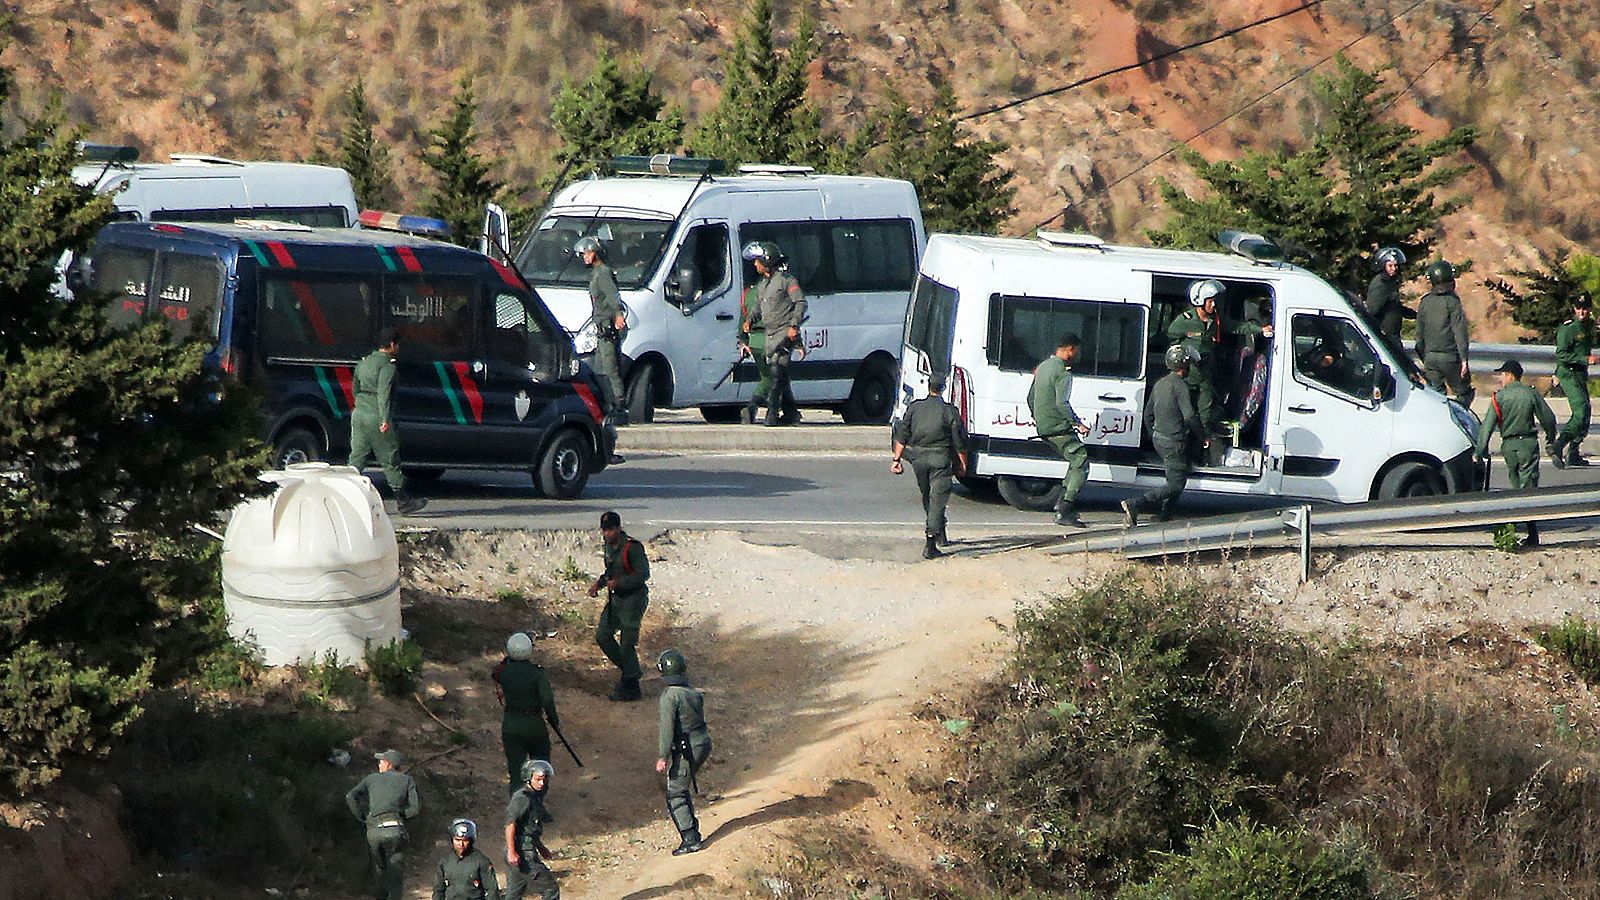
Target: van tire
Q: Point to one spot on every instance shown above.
(721, 415)
(563, 468)
(981, 485)
(297, 445)
(640, 395)
(1411, 479)
(872, 396)
(1030, 494)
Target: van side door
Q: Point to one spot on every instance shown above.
(438, 395)
(702, 320)
(310, 328)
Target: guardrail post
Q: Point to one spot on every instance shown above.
(1300, 520)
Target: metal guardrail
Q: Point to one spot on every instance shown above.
(1536, 359)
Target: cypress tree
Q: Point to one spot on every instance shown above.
(961, 186)
(360, 153)
(764, 115)
(612, 112)
(464, 183)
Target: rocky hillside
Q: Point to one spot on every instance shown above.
(263, 78)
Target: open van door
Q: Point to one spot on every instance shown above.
(495, 242)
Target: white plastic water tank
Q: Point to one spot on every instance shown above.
(312, 568)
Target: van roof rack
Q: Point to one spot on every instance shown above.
(1072, 239)
(204, 159)
(775, 169)
(1251, 246)
(271, 225)
(108, 153)
(665, 164)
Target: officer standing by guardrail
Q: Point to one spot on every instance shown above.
(1574, 354)
(1442, 334)
(1519, 413)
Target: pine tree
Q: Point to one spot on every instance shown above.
(764, 116)
(961, 187)
(610, 113)
(112, 444)
(465, 185)
(1364, 183)
(360, 153)
(1544, 300)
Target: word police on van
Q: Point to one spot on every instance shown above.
(1313, 412)
(670, 231)
(487, 379)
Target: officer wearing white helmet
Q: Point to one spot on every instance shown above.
(1174, 427)
(780, 308)
(1383, 295)
(609, 323)
(524, 690)
(1200, 329)
(525, 849)
(464, 873)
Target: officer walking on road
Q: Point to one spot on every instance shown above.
(464, 873)
(931, 433)
(1575, 341)
(1519, 413)
(1200, 329)
(384, 801)
(372, 429)
(1171, 419)
(1050, 401)
(609, 324)
(627, 595)
(1383, 295)
(523, 688)
(1442, 334)
(525, 849)
(683, 746)
(781, 307)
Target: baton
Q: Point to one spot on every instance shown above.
(729, 374)
(563, 739)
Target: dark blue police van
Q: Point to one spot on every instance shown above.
(487, 378)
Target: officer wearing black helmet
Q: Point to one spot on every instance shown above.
(464, 873)
(1383, 295)
(1173, 423)
(609, 324)
(1442, 334)
(683, 746)
(525, 849)
(780, 308)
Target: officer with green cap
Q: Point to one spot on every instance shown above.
(1383, 303)
(930, 433)
(525, 849)
(372, 429)
(1519, 413)
(464, 873)
(1575, 341)
(1442, 334)
(627, 596)
(683, 745)
(1171, 420)
(383, 801)
(781, 307)
(609, 324)
(524, 690)
(1199, 330)
(1050, 401)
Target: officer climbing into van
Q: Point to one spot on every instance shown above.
(464, 873)
(1171, 419)
(372, 428)
(1050, 401)
(931, 432)
(525, 849)
(1200, 329)
(627, 596)
(1383, 302)
(780, 308)
(1520, 414)
(683, 745)
(523, 688)
(609, 324)
(1442, 334)
(384, 801)
(1575, 341)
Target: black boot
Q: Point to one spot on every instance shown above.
(690, 844)
(406, 503)
(771, 421)
(1067, 516)
(1558, 452)
(627, 690)
(1130, 513)
(944, 537)
(931, 550)
(748, 416)
(1533, 535)
(1573, 459)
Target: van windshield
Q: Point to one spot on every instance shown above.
(632, 248)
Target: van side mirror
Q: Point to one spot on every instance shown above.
(1385, 386)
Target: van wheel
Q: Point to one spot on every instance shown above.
(982, 485)
(1410, 479)
(641, 395)
(564, 468)
(872, 396)
(424, 474)
(1031, 494)
(721, 415)
(296, 445)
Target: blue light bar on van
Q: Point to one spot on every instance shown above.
(422, 226)
(1251, 246)
(111, 153)
(666, 164)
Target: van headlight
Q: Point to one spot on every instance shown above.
(1465, 419)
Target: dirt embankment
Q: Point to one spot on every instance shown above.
(64, 845)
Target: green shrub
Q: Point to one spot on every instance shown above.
(331, 681)
(1577, 641)
(395, 667)
(1239, 861)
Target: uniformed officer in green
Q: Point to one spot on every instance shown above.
(464, 873)
(627, 595)
(1520, 414)
(1171, 420)
(609, 325)
(1442, 335)
(525, 849)
(1050, 401)
(683, 745)
(753, 343)
(780, 308)
(1200, 329)
(372, 429)
(1383, 303)
(523, 688)
(1575, 341)
(931, 435)
(383, 801)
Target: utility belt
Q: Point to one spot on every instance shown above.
(1574, 368)
(387, 822)
(1529, 436)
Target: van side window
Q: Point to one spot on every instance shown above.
(189, 295)
(1023, 331)
(930, 328)
(702, 266)
(837, 257)
(124, 274)
(315, 316)
(433, 315)
(1332, 352)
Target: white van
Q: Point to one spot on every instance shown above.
(673, 241)
(197, 188)
(987, 310)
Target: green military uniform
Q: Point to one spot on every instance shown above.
(1575, 340)
(374, 390)
(1050, 401)
(1203, 338)
(781, 305)
(384, 801)
(1442, 342)
(529, 702)
(1173, 423)
(933, 435)
(756, 340)
(1519, 413)
(469, 877)
(617, 634)
(526, 812)
(683, 740)
(1384, 306)
(606, 304)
